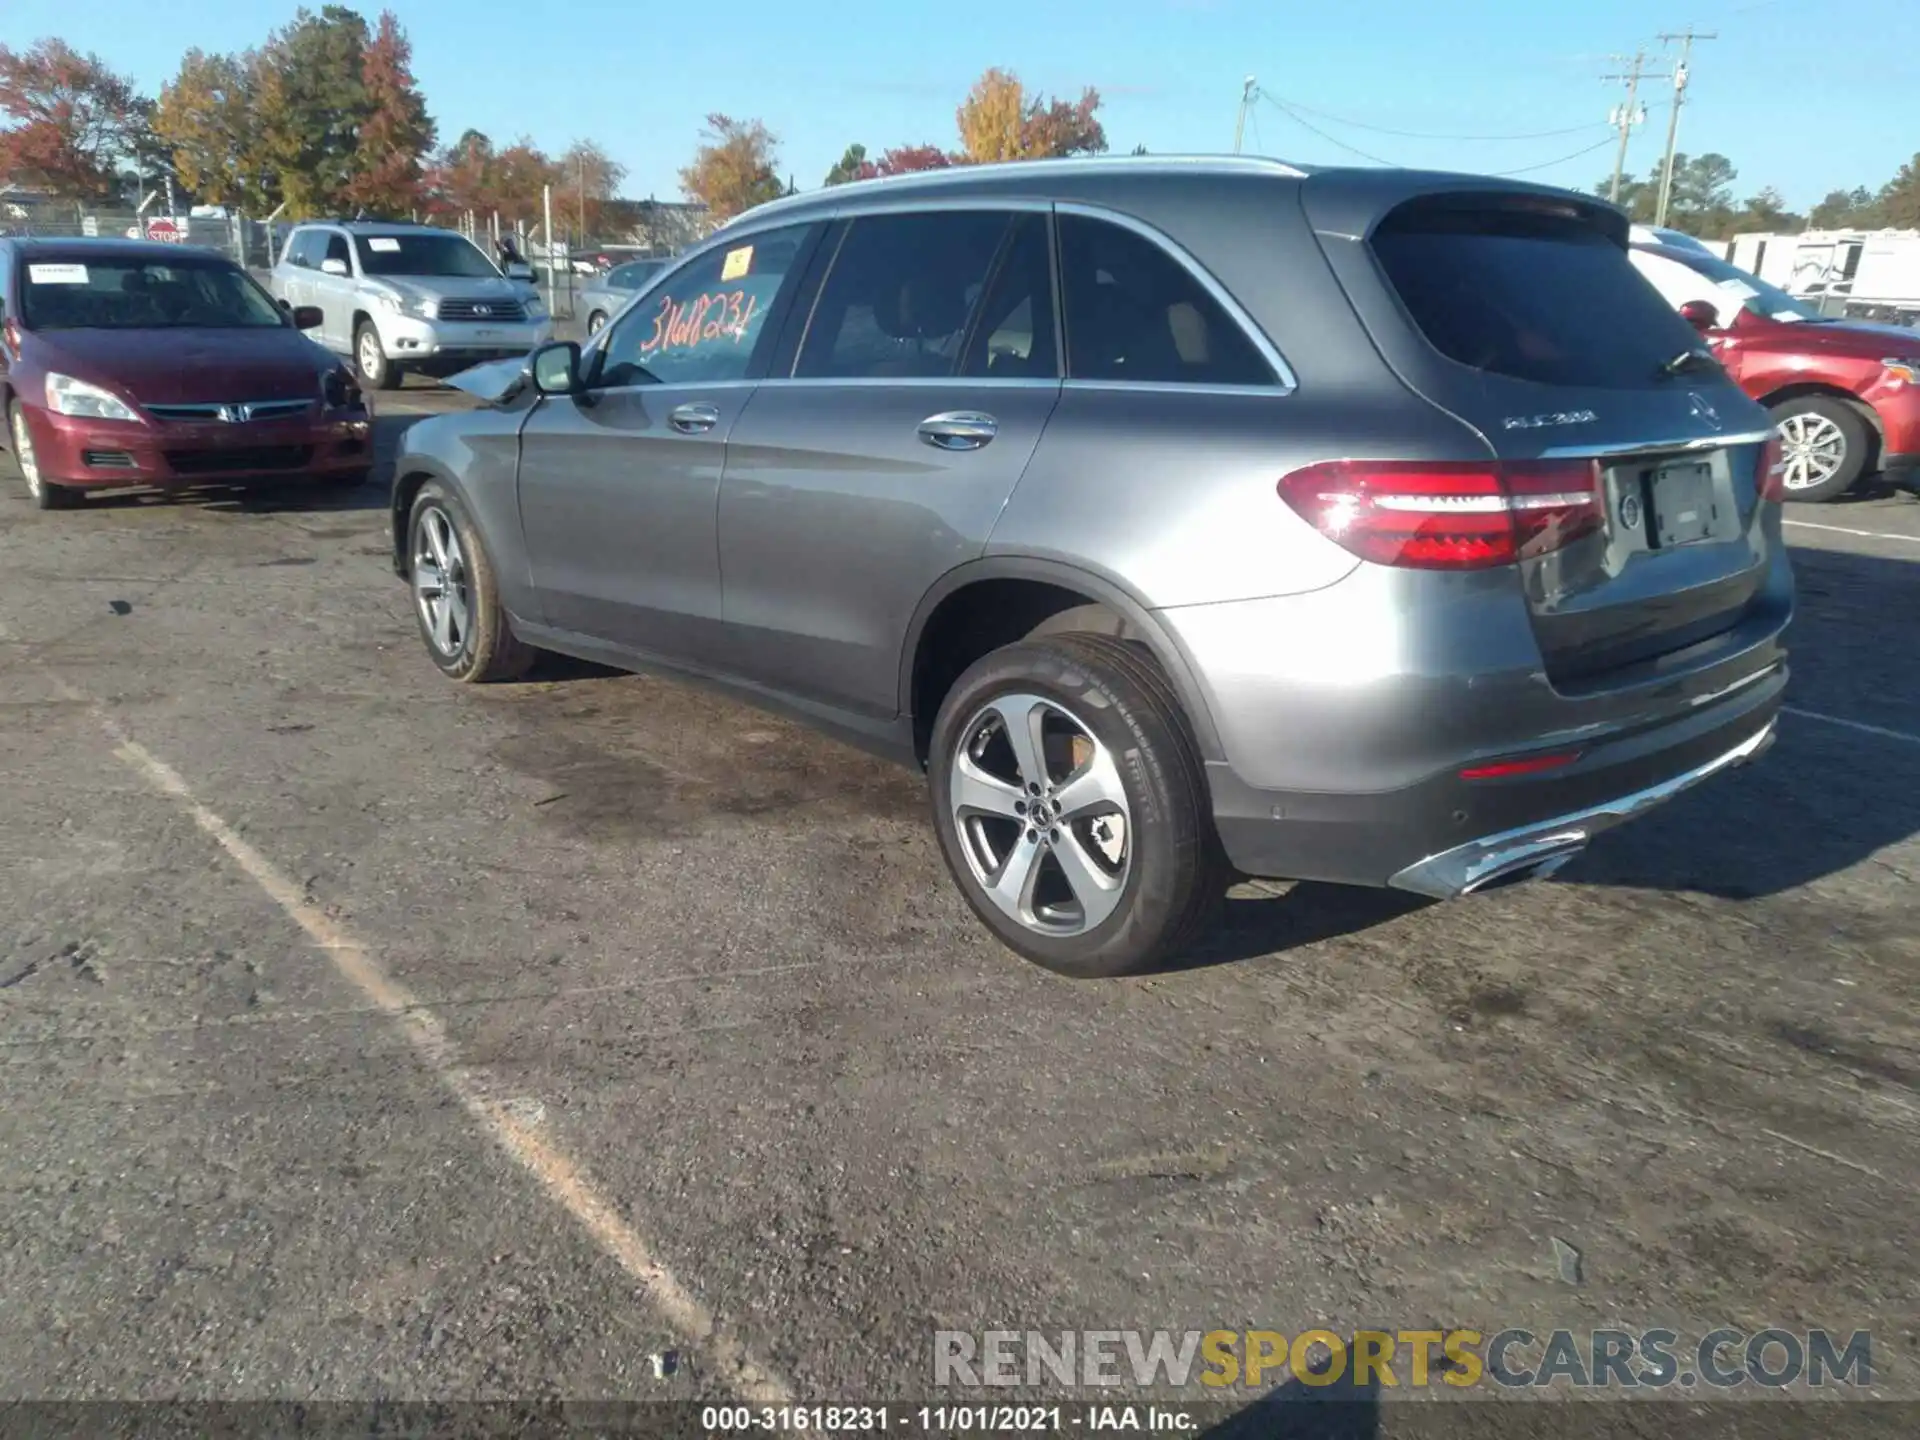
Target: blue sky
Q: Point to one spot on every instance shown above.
(1789, 108)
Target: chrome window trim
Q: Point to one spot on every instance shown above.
(917, 382)
(1286, 381)
(1177, 387)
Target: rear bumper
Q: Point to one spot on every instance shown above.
(1544, 846)
(1447, 836)
(103, 454)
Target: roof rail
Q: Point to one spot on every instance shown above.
(1073, 167)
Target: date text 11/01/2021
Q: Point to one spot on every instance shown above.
(947, 1419)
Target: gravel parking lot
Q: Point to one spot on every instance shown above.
(364, 1034)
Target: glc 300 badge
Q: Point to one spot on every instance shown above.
(1542, 422)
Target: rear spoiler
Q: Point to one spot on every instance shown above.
(1350, 204)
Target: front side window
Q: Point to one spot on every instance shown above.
(1136, 315)
(902, 289)
(336, 247)
(702, 326)
(423, 254)
(174, 294)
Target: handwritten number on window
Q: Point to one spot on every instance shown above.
(719, 316)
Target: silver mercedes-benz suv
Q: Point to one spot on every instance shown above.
(396, 298)
(1179, 516)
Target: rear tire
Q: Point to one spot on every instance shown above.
(596, 322)
(1108, 725)
(45, 494)
(370, 360)
(1825, 445)
(456, 599)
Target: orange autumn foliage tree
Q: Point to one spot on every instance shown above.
(734, 168)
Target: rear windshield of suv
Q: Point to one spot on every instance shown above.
(1539, 295)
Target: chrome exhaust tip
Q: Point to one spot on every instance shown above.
(1531, 864)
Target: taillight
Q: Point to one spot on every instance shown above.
(1771, 477)
(1441, 515)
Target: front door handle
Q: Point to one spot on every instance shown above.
(958, 430)
(695, 419)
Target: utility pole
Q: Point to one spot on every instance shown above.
(1249, 92)
(1686, 39)
(1625, 117)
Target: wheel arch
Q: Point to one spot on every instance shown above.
(410, 474)
(1079, 590)
(1802, 389)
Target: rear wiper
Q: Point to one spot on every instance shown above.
(1688, 360)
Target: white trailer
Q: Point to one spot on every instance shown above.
(1862, 274)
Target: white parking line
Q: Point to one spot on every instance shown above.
(1844, 530)
(500, 1111)
(1860, 725)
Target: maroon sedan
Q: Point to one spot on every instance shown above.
(134, 363)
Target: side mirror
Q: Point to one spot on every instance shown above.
(519, 270)
(1700, 314)
(333, 267)
(307, 317)
(556, 368)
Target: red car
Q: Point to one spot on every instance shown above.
(133, 363)
(1845, 394)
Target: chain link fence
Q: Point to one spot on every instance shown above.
(629, 230)
(228, 233)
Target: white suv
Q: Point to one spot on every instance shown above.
(409, 297)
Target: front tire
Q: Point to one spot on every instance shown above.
(370, 360)
(1825, 446)
(456, 599)
(44, 493)
(1072, 806)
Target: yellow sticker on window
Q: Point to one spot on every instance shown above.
(737, 263)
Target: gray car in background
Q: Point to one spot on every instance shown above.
(1179, 517)
(600, 299)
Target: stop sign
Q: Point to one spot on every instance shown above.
(163, 229)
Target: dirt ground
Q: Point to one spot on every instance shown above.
(368, 1035)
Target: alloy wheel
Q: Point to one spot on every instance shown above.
(1813, 449)
(370, 357)
(440, 583)
(1041, 814)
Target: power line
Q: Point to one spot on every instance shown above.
(1549, 164)
(1426, 135)
(1302, 120)
(1288, 111)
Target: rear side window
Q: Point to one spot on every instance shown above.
(1539, 296)
(1137, 315)
(902, 289)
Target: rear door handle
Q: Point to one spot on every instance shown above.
(694, 419)
(958, 430)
